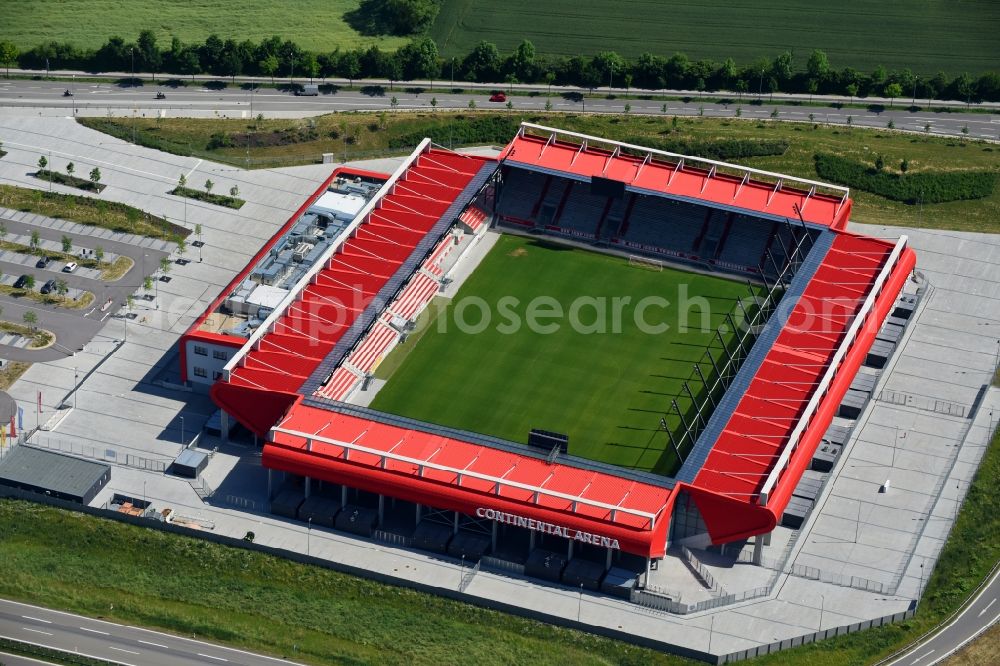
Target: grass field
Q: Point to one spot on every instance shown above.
(924, 35)
(315, 25)
(191, 137)
(606, 390)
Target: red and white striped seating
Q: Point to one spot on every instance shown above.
(375, 345)
(341, 382)
(433, 263)
(415, 296)
(474, 217)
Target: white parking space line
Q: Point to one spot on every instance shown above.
(38, 619)
(95, 631)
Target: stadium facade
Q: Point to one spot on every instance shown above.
(297, 358)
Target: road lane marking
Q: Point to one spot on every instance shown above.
(95, 631)
(208, 656)
(926, 654)
(38, 619)
(154, 644)
(36, 631)
(112, 647)
(987, 607)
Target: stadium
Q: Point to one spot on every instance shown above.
(548, 436)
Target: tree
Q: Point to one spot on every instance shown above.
(35, 239)
(70, 168)
(311, 65)
(550, 78)
(268, 66)
(393, 102)
(147, 283)
(3, 231)
(42, 163)
(522, 61)
(818, 66)
(234, 191)
(165, 264)
(67, 244)
(99, 254)
(850, 120)
(472, 103)
(393, 70)
(927, 128)
(509, 105)
(892, 91)
(482, 63)
(208, 186)
(61, 287)
(95, 176)
(434, 102)
(181, 247)
(781, 68)
(628, 83)
(349, 66)
(8, 54)
(130, 301)
(852, 90)
(904, 166)
(607, 64)
(30, 318)
(149, 56)
(29, 282)
(811, 87)
(879, 162)
(548, 104)
(182, 182)
(628, 108)
(419, 59)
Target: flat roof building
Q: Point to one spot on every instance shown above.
(53, 474)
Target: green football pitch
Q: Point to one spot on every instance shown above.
(605, 372)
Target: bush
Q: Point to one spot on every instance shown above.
(220, 140)
(719, 149)
(927, 186)
(461, 131)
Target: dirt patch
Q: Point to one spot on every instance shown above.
(519, 252)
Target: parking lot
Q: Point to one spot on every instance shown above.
(73, 326)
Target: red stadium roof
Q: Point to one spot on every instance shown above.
(413, 464)
(678, 175)
(324, 305)
(792, 397)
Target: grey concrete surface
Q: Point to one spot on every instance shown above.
(107, 98)
(115, 642)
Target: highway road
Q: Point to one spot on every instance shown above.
(119, 643)
(102, 98)
(978, 615)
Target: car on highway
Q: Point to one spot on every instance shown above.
(43, 261)
(48, 287)
(498, 97)
(21, 282)
(160, 95)
(70, 267)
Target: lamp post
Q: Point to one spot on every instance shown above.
(309, 527)
(182, 431)
(131, 52)
(579, 603)
(75, 387)
(822, 605)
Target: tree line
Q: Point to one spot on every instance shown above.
(420, 60)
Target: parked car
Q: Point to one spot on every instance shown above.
(48, 287)
(21, 282)
(43, 262)
(498, 97)
(70, 267)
